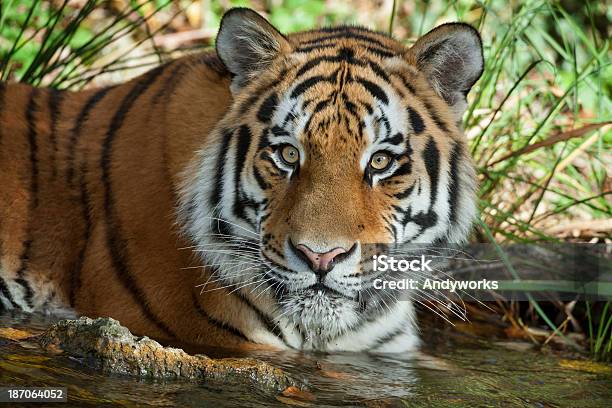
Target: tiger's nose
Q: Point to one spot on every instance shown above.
(321, 262)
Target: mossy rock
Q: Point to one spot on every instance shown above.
(105, 345)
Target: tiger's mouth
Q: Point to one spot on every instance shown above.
(322, 288)
(287, 282)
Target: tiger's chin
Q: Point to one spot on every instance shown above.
(321, 315)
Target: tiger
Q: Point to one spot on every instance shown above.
(234, 197)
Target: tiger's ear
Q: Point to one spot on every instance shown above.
(451, 57)
(247, 44)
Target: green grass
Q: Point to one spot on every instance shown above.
(538, 119)
(600, 332)
(538, 86)
(43, 44)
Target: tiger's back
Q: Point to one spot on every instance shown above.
(87, 193)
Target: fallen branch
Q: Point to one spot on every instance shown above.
(559, 137)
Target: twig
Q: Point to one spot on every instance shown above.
(559, 137)
(592, 225)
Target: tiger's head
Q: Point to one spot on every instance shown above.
(339, 143)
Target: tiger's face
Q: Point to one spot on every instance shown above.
(340, 144)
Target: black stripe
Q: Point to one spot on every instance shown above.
(264, 143)
(24, 259)
(416, 121)
(393, 231)
(405, 193)
(350, 28)
(431, 157)
(432, 166)
(435, 117)
(307, 83)
(116, 244)
(55, 101)
(267, 108)
(345, 55)
(215, 198)
(215, 322)
(75, 275)
(7, 294)
(320, 106)
(259, 91)
(170, 84)
(33, 145)
(278, 131)
(400, 210)
(351, 107)
(390, 336)
(378, 70)
(263, 184)
(383, 119)
(244, 142)
(405, 82)
(379, 52)
(270, 325)
(76, 130)
(404, 169)
(395, 140)
(367, 107)
(264, 139)
(373, 89)
(453, 193)
(217, 192)
(348, 35)
(313, 63)
(252, 100)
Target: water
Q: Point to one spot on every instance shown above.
(465, 372)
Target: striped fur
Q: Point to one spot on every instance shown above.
(163, 202)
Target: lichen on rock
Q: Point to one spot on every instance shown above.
(106, 345)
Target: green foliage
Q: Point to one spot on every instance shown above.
(546, 73)
(600, 332)
(42, 41)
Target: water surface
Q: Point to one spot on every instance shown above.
(460, 371)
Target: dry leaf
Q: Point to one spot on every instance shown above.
(14, 334)
(296, 393)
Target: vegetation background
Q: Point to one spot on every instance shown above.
(539, 120)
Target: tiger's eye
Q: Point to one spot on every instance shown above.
(290, 154)
(380, 161)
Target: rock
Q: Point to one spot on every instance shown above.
(106, 345)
